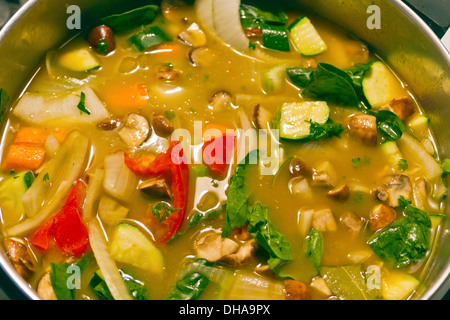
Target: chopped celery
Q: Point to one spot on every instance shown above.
(45, 196)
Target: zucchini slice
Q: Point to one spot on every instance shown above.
(305, 37)
(273, 78)
(129, 245)
(78, 60)
(295, 118)
(398, 285)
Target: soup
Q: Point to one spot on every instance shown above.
(219, 150)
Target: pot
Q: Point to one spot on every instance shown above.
(403, 40)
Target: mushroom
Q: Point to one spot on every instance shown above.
(339, 193)
(110, 124)
(220, 101)
(324, 175)
(193, 36)
(364, 127)
(20, 256)
(381, 216)
(135, 130)
(167, 73)
(157, 187)
(323, 220)
(296, 290)
(162, 126)
(351, 221)
(398, 186)
(101, 38)
(261, 117)
(403, 108)
(45, 288)
(243, 255)
(298, 167)
(212, 247)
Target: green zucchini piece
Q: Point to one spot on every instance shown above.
(130, 246)
(149, 37)
(305, 37)
(296, 118)
(398, 285)
(78, 60)
(273, 78)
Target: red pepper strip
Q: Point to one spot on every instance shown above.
(66, 228)
(218, 152)
(167, 163)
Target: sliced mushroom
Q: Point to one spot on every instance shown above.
(296, 290)
(212, 247)
(261, 117)
(381, 216)
(403, 108)
(162, 126)
(398, 186)
(323, 220)
(364, 127)
(45, 289)
(110, 124)
(135, 130)
(202, 57)
(220, 101)
(157, 187)
(382, 194)
(243, 255)
(351, 221)
(167, 73)
(339, 193)
(298, 167)
(20, 256)
(193, 36)
(324, 175)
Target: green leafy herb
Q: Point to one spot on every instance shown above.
(359, 162)
(169, 114)
(323, 131)
(28, 178)
(405, 241)
(4, 103)
(253, 13)
(445, 168)
(46, 177)
(135, 287)
(389, 124)
(102, 46)
(251, 45)
(162, 210)
(275, 37)
(132, 19)
(314, 247)
(403, 164)
(268, 236)
(60, 276)
(149, 37)
(82, 104)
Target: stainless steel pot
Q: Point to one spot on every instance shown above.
(404, 41)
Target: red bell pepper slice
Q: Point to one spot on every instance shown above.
(66, 228)
(218, 152)
(170, 162)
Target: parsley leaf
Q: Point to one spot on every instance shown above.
(403, 164)
(82, 104)
(162, 210)
(322, 131)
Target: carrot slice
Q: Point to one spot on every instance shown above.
(123, 97)
(31, 135)
(22, 156)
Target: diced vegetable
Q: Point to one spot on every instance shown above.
(273, 78)
(93, 192)
(218, 152)
(397, 285)
(12, 190)
(110, 211)
(295, 117)
(392, 152)
(44, 109)
(132, 19)
(129, 245)
(78, 60)
(419, 123)
(304, 221)
(380, 85)
(305, 37)
(38, 136)
(106, 263)
(250, 286)
(149, 37)
(122, 98)
(135, 287)
(412, 147)
(119, 181)
(53, 183)
(22, 156)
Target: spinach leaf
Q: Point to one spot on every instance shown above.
(275, 37)
(4, 103)
(135, 287)
(323, 131)
(347, 282)
(314, 247)
(389, 124)
(268, 236)
(357, 73)
(300, 77)
(60, 276)
(132, 19)
(254, 12)
(405, 241)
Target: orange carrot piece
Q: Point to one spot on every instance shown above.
(122, 97)
(22, 156)
(168, 49)
(31, 135)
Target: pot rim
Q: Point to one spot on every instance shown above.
(434, 292)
